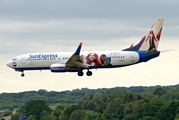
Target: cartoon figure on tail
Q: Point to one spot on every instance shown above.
(151, 39)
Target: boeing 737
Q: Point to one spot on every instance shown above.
(78, 61)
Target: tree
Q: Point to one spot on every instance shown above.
(149, 109)
(59, 110)
(159, 91)
(84, 103)
(91, 115)
(148, 118)
(129, 117)
(36, 108)
(31, 117)
(128, 97)
(99, 105)
(91, 105)
(7, 113)
(77, 115)
(48, 117)
(15, 117)
(114, 110)
(168, 112)
(70, 109)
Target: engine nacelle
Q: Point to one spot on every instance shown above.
(58, 67)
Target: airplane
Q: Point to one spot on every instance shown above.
(60, 62)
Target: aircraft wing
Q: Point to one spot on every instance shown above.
(74, 60)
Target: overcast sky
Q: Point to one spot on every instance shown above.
(59, 25)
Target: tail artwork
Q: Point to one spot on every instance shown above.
(23, 117)
(151, 39)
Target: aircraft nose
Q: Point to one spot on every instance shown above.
(9, 64)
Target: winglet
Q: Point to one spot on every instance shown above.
(78, 49)
(132, 45)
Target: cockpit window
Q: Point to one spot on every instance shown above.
(14, 59)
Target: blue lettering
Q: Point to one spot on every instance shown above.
(43, 56)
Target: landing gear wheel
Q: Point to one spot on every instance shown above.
(80, 73)
(22, 75)
(89, 73)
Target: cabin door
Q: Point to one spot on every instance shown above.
(132, 57)
(23, 60)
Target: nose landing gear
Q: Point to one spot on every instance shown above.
(22, 74)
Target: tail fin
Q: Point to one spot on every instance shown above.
(151, 39)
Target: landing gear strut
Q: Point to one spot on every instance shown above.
(22, 74)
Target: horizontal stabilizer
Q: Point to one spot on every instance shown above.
(167, 50)
(151, 52)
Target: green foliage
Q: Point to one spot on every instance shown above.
(99, 104)
(168, 111)
(77, 115)
(59, 110)
(31, 117)
(86, 115)
(15, 117)
(159, 91)
(148, 118)
(177, 116)
(114, 109)
(143, 103)
(70, 109)
(91, 115)
(7, 113)
(48, 117)
(149, 109)
(16, 100)
(129, 117)
(37, 108)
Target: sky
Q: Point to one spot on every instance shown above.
(59, 26)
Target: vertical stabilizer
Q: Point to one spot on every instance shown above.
(151, 39)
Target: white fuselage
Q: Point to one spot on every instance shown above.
(45, 60)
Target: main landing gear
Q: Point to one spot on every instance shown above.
(88, 73)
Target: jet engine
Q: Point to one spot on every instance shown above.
(58, 67)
